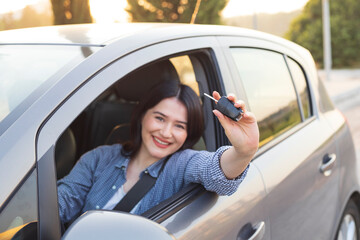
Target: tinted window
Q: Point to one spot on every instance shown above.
(301, 86)
(269, 89)
(19, 217)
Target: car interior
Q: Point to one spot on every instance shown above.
(106, 120)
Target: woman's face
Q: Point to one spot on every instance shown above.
(164, 128)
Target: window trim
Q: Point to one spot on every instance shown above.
(297, 92)
(295, 88)
(48, 208)
(175, 203)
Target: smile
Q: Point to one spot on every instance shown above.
(160, 142)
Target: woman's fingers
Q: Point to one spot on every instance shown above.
(216, 95)
(249, 117)
(240, 104)
(231, 97)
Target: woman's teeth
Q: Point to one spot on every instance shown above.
(161, 142)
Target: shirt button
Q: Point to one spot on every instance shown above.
(97, 207)
(146, 171)
(114, 187)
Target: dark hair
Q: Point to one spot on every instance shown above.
(163, 90)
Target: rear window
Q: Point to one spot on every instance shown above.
(269, 89)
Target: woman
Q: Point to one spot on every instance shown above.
(165, 125)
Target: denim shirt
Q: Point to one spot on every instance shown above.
(100, 172)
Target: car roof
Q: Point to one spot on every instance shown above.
(104, 34)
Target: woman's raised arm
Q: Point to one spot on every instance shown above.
(244, 137)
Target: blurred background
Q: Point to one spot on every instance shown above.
(297, 20)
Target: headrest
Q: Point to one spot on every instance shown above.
(133, 86)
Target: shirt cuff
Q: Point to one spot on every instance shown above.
(223, 185)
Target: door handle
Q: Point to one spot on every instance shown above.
(259, 231)
(249, 232)
(327, 164)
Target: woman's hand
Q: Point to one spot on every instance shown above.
(243, 135)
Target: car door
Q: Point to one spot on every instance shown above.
(239, 216)
(297, 154)
(231, 217)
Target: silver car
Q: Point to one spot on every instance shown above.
(67, 89)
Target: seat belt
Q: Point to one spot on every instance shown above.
(138, 191)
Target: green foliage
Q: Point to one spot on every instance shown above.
(306, 30)
(175, 11)
(71, 11)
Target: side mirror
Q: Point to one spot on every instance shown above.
(102, 224)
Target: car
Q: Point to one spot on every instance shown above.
(68, 89)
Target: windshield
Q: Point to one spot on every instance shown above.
(23, 68)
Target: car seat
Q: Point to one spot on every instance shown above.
(65, 153)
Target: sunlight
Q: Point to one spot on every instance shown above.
(108, 11)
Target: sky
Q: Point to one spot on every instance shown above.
(113, 10)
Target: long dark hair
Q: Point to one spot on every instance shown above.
(163, 90)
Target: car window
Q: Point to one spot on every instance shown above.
(269, 90)
(23, 68)
(301, 86)
(107, 120)
(185, 71)
(18, 219)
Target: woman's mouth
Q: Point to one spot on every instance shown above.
(160, 143)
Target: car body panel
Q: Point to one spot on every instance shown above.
(223, 217)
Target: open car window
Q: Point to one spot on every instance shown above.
(106, 120)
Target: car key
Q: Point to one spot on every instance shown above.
(226, 107)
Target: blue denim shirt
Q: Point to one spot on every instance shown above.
(100, 172)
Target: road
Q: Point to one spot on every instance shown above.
(344, 89)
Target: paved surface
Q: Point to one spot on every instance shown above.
(344, 89)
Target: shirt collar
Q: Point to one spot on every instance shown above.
(153, 169)
(123, 164)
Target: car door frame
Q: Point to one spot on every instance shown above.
(77, 99)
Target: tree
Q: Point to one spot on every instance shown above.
(175, 11)
(71, 11)
(306, 30)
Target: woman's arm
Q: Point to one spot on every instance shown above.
(244, 137)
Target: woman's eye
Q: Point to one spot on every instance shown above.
(159, 118)
(180, 126)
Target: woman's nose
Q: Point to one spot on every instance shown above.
(166, 131)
